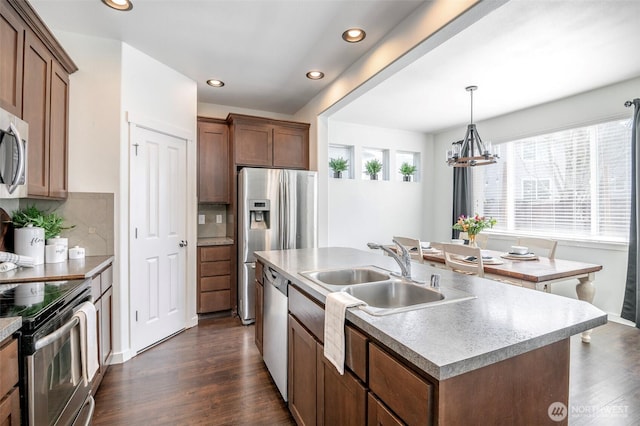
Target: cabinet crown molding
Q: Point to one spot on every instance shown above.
(37, 25)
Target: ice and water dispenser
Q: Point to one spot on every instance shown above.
(259, 212)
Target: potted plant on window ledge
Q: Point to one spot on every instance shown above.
(338, 165)
(407, 170)
(373, 167)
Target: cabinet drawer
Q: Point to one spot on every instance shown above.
(221, 282)
(212, 253)
(106, 279)
(210, 269)
(408, 395)
(212, 301)
(96, 287)
(9, 366)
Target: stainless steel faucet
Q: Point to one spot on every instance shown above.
(404, 259)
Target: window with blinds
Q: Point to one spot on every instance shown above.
(574, 183)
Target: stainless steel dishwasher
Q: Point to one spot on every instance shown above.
(275, 331)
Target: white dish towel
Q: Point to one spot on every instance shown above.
(86, 313)
(335, 308)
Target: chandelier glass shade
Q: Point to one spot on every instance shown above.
(471, 151)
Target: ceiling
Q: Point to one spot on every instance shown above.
(525, 53)
(262, 50)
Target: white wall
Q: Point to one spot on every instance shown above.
(114, 81)
(362, 211)
(583, 109)
(426, 28)
(156, 95)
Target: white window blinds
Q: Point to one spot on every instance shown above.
(571, 184)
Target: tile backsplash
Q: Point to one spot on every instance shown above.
(91, 215)
(211, 229)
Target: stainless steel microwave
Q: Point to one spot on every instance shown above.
(13, 156)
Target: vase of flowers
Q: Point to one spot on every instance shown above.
(472, 225)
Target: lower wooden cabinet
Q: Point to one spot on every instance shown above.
(302, 374)
(375, 389)
(379, 415)
(259, 306)
(215, 265)
(102, 292)
(9, 393)
(341, 399)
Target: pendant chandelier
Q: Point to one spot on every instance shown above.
(470, 151)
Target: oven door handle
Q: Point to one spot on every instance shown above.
(50, 338)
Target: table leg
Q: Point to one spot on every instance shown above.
(586, 291)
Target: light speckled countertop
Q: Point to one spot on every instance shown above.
(8, 326)
(214, 241)
(72, 269)
(447, 340)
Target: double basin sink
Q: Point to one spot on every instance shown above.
(383, 292)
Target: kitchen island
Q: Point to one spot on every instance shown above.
(502, 356)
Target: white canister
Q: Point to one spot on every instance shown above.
(29, 294)
(55, 253)
(61, 241)
(76, 252)
(29, 241)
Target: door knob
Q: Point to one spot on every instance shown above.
(182, 243)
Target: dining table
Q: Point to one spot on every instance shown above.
(535, 272)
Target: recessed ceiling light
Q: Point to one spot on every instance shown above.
(215, 83)
(354, 35)
(315, 75)
(119, 4)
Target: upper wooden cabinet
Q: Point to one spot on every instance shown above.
(213, 162)
(34, 85)
(263, 142)
(11, 47)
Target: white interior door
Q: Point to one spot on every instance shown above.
(157, 257)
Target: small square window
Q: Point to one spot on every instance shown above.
(410, 158)
(338, 153)
(375, 160)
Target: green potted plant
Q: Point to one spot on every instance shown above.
(52, 223)
(338, 165)
(373, 167)
(407, 170)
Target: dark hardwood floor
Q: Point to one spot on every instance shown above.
(212, 374)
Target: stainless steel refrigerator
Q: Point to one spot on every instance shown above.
(277, 209)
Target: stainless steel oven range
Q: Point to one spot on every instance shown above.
(52, 388)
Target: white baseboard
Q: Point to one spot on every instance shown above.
(121, 357)
(617, 319)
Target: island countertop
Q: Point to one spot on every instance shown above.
(447, 340)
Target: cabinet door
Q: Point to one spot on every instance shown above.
(290, 147)
(106, 336)
(10, 409)
(259, 314)
(379, 415)
(58, 132)
(342, 399)
(253, 144)
(98, 305)
(35, 111)
(302, 378)
(11, 47)
(213, 163)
